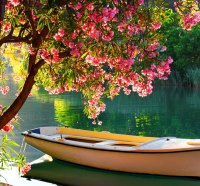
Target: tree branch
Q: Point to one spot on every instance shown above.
(14, 39)
(29, 16)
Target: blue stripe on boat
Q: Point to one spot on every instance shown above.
(37, 130)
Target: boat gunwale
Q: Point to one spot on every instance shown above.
(147, 151)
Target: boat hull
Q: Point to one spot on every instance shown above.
(182, 163)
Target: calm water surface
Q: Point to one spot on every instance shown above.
(168, 111)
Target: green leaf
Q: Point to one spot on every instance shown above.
(84, 55)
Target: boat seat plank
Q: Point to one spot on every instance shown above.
(107, 142)
(104, 135)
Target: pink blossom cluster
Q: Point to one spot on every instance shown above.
(131, 82)
(120, 63)
(140, 2)
(160, 71)
(114, 91)
(90, 7)
(142, 87)
(130, 28)
(34, 16)
(6, 27)
(15, 2)
(95, 106)
(4, 89)
(26, 168)
(57, 90)
(50, 57)
(155, 25)
(62, 89)
(8, 127)
(153, 50)
(189, 11)
(75, 47)
(59, 35)
(90, 29)
(109, 13)
(76, 6)
(190, 20)
(31, 50)
(106, 49)
(94, 60)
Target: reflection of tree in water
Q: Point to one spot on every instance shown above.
(146, 124)
(167, 112)
(67, 114)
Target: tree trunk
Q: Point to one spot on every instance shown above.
(19, 101)
(11, 112)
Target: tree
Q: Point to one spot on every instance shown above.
(95, 47)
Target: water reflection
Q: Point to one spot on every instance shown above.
(72, 174)
(167, 112)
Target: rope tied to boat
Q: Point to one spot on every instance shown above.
(23, 146)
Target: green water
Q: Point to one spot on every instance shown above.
(168, 111)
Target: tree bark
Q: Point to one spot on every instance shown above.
(19, 101)
(22, 97)
(11, 112)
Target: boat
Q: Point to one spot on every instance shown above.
(118, 152)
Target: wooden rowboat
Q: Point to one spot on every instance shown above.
(164, 156)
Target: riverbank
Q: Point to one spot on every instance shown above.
(12, 178)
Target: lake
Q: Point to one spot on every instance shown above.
(169, 111)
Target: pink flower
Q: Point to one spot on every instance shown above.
(57, 37)
(15, 2)
(164, 48)
(61, 32)
(54, 51)
(155, 26)
(4, 90)
(25, 169)
(31, 50)
(71, 45)
(7, 128)
(90, 7)
(140, 2)
(75, 52)
(6, 27)
(78, 6)
(34, 16)
(191, 20)
(127, 91)
(99, 122)
(102, 107)
(109, 13)
(108, 37)
(94, 122)
(121, 27)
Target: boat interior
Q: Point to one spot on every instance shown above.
(103, 138)
(112, 141)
